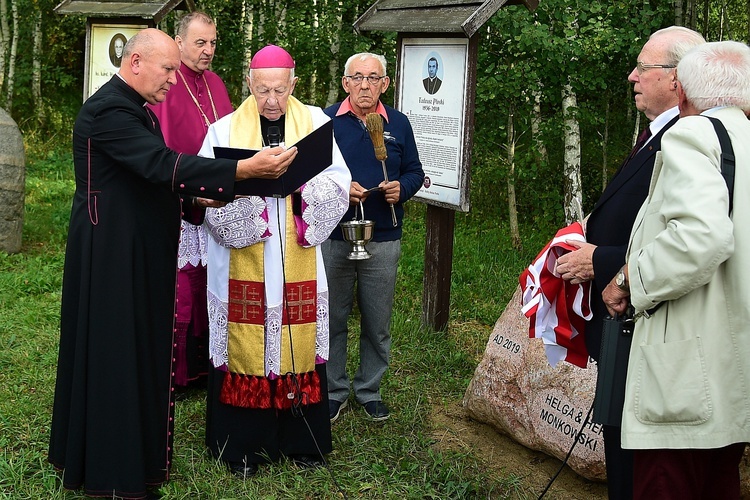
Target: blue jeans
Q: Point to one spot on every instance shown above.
(376, 284)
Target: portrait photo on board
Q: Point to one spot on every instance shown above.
(116, 44)
(432, 82)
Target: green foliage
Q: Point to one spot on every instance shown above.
(590, 45)
(522, 53)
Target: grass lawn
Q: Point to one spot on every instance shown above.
(394, 459)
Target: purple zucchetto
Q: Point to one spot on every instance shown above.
(271, 56)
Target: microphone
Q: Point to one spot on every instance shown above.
(274, 136)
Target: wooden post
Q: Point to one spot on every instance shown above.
(438, 264)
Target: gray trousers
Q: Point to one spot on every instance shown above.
(376, 284)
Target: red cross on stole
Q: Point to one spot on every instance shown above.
(247, 302)
(301, 298)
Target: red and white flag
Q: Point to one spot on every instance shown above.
(557, 309)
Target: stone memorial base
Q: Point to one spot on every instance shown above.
(12, 184)
(516, 391)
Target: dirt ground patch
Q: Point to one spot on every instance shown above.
(454, 430)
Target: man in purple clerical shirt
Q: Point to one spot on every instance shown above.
(198, 99)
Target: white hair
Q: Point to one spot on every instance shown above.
(716, 74)
(363, 56)
(679, 40)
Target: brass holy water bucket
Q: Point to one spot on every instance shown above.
(358, 232)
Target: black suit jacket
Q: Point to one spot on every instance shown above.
(609, 227)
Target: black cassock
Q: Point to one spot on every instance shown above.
(113, 412)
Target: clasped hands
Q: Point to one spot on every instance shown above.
(391, 190)
(578, 266)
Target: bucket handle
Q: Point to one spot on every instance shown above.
(361, 209)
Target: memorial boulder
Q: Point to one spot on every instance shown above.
(12, 184)
(515, 390)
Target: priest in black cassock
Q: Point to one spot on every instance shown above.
(113, 412)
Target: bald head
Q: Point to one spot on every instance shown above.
(149, 64)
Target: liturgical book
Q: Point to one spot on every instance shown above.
(314, 154)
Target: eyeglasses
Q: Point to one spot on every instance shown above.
(357, 79)
(641, 67)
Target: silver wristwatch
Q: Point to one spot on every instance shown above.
(621, 280)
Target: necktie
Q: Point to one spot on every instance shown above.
(640, 142)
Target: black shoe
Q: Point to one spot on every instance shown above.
(181, 392)
(334, 409)
(376, 410)
(307, 461)
(243, 470)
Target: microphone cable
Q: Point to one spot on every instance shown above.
(570, 452)
(298, 396)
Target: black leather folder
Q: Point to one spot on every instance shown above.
(314, 154)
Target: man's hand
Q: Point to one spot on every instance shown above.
(577, 266)
(357, 193)
(615, 298)
(266, 164)
(206, 203)
(391, 191)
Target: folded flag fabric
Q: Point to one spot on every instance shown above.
(557, 310)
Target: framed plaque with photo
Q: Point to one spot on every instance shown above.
(104, 45)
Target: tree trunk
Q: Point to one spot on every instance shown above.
(281, 17)
(4, 36)
(572, 156)
(605, 139)
(690, 14)
(678, 16)
(334, 72)
(536, 120)
(36, 75)
(248, 14)
(706, 5)
(515, 234)
(636, 130)
(12, 58)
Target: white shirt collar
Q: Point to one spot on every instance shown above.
(661, 120)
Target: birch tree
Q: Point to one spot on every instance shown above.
(572, 156)
(536, 121)
(334, 69)
(605, 140)
(4, 40)
(12, 57)
(515, 233)
(678, 13)
(36, 76)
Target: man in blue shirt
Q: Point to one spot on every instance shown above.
(365, 80)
